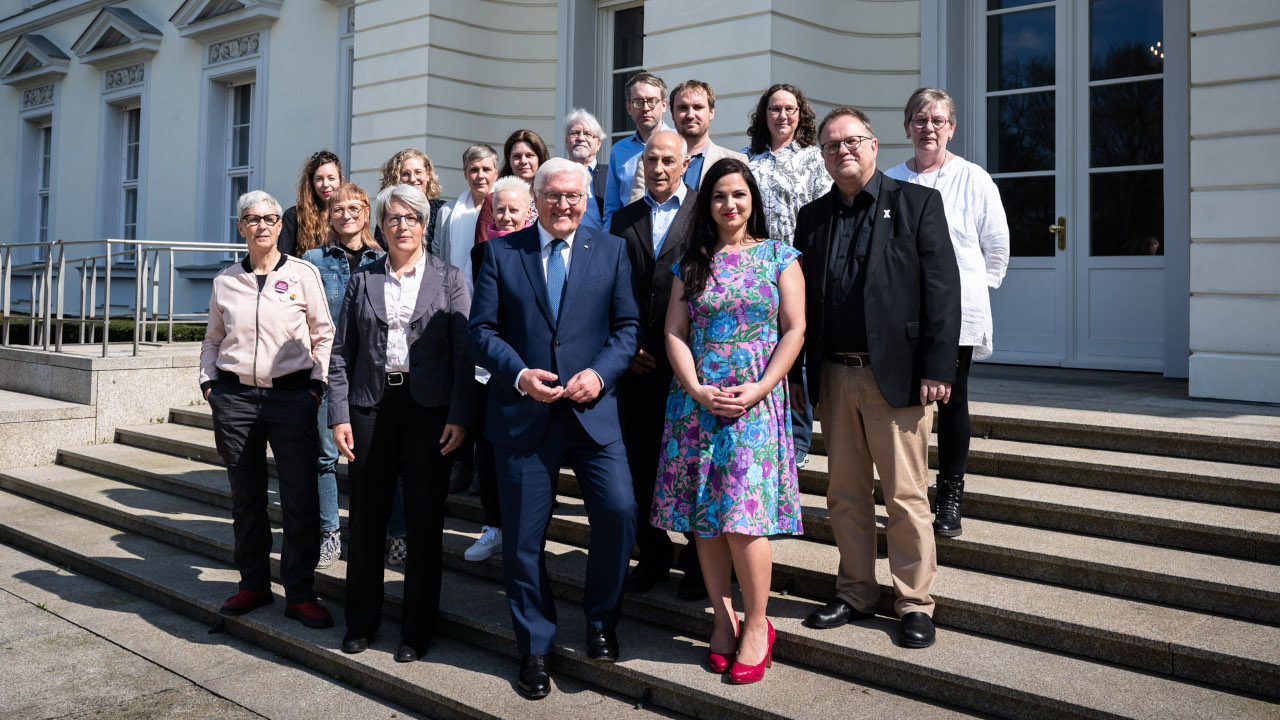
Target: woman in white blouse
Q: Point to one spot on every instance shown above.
(480, 166)
(980, 235)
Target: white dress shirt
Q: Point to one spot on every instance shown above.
(400, 299)
(663, 214)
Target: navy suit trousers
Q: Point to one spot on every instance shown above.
(526, 488)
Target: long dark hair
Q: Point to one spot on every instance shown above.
(312, 210)
(806, 127)
(695, 266)
(528, 137)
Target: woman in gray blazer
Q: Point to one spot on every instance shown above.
(399, 382)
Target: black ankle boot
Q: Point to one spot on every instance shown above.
(947, 518)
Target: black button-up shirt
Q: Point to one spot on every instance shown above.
(845, 318)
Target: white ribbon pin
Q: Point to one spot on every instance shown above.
(886, 214)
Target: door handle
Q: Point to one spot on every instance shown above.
(1061, 231)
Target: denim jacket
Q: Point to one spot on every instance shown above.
(335, 271)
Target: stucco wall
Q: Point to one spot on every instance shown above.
(1235, 200)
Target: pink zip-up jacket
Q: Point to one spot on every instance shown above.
(284, 329)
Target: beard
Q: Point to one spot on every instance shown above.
(580, 153)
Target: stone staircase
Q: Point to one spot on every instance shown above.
(1107, 569)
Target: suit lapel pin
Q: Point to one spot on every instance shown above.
(586, 247)
(886, 214)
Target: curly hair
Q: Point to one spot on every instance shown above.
(695, 266)
(806, 127)
(347, 192)
(312, 209)
(528, 137)
(391, 171)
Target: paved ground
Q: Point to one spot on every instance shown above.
(73, 648)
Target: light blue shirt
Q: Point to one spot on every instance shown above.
(623, 158)
(591, 216)
(663, 214)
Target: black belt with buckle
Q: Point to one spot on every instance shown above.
(395, 378)
(851, 359)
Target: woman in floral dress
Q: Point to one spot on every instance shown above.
(734, 327)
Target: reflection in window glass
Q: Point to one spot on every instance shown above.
(1020, 50)
(1002, 4)
(1126, 124)
(1020, 132)
(628, 57)
(1028, 203)
(1126, 213)
(1125, 38)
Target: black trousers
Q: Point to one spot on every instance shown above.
(245, 420)
(482, 457)
(953, 420)
(644, 407)
(397, 437)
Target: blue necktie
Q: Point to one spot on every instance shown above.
(555, 278)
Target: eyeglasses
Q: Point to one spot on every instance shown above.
(642, 103)
(351, 210)
(920, 122)
(412, 220)
(779, 111)
(853, 142)
(580, 134)
(268, 220)
(555, 197)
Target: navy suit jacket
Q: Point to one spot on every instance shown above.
(511, 329)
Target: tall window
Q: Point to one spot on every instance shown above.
(623, 31)
(132, 147)
(44, 173)
(239, 121)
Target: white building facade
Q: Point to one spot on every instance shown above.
(1140, 129)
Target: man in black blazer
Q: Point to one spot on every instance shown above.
(883, 316)
(656, 228)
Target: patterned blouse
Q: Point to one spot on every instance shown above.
(788, 180)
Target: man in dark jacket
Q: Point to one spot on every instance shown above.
(883, 317)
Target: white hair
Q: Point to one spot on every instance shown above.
(684, 144)
(407, 194)
(579, 116)
(511, 183)
(561, 166)
(252, 199)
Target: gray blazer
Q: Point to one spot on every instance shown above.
(713, 154)
(439, 370)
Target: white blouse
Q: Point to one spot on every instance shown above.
(980, 235)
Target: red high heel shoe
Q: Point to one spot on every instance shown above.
(718, 662)
(741, 674)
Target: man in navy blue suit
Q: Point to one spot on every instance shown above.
(553, 318)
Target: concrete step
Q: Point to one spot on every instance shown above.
(127, 651)
(994, 676)
(1242, 532)
(1139, 634)
(33, 427)
(657, 669)
(457, 679)
(1239, 532)
(1233, 586)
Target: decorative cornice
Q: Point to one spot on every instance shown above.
(33, 60)
(125, 77)
(232, 49)
(37, 96)
(117, 36)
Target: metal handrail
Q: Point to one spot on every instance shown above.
(48, 302)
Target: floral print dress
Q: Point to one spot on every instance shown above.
(721, 474)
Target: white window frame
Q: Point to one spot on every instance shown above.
(608, 107)
(214, 172)
(345, 75)
(36, 198)
(113, 182)
(237, 173)
(130, 146)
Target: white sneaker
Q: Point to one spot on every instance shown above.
(490, 542)
(330, 549)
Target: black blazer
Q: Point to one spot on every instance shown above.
(439, 371)
(912, 292)
(651, 279)
(597, 185)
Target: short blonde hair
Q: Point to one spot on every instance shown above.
(923, 98)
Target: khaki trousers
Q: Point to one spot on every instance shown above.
(862, 430)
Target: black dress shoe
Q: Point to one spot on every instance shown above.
(916, 630)
(602, 644)
(353, 645)
(834, 614)
(534, 682)
(691, 587)
(406, 654)
(646, 576)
